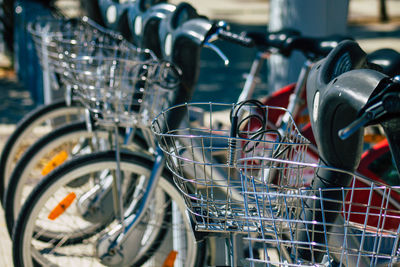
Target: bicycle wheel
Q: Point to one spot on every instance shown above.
(34, 125)
(43, 156)
(167, 228)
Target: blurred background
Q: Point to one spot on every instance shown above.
(373, 23)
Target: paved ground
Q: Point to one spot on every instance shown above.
(15, 101)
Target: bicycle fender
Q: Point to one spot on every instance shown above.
(334, 98)
(114, 14)
(339, 106)
(144, 26)
(175, 23)
(186, 49)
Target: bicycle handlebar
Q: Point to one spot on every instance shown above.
(235, 38)
(284, 41)
(384, 104)
(289, 40)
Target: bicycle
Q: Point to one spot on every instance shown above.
(79, 137)
(48, 150)
(368, 92)
(117, 109)
(51, 116)
(365, 207)
(48, 116)
(342, 219)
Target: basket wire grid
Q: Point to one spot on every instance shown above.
(205, 158)
(78, 31)
(123, 89)
(356, 225)
(120, 83)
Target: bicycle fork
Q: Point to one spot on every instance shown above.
(121, 245)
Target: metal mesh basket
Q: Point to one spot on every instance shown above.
(205, 158)
(47, 32)
(353, 225)
(120, 83)
(123, 89)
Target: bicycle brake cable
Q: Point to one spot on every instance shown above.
(251, 119)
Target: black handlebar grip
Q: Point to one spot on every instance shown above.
(235, 38)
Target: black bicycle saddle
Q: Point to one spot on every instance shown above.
(182, 46)
(338, 89)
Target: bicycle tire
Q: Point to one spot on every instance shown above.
(24, 227)
(28, 169)
(16, 142)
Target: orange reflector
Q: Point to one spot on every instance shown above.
(373, 138)
(56, 161)
(62, 206)
(303, 119)
(170, 260)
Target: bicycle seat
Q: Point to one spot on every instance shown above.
(144, 22)
(387, 59)
(334, 98)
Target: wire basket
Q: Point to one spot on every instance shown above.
(205, 157)
(120, 83)
(353, 225)
(47, 32)
(123, 89)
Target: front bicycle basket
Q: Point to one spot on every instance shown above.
(205, 157)
(120, 83)
(353, 225)
(79, 30)
(123, 89)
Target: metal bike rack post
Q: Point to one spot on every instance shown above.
(26, 63)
